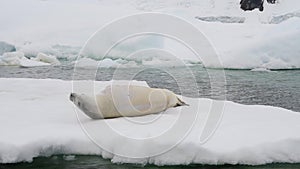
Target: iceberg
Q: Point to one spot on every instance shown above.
(41, 121)
(5, 47)
(89, 63)
(11, 58)
(42, 57)
(24, 62)
(18, 59)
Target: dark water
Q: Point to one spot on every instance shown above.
(276, 88)
(95, 162)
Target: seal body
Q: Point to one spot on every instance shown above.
(125, 101)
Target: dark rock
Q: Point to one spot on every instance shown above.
(271, 1)
(249, 5)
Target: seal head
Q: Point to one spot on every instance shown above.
(87, 104)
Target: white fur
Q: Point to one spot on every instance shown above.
(125, 101)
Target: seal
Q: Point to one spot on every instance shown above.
(126, 101)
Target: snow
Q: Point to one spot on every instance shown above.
(243, 40)
(41, 121)
(278, 51)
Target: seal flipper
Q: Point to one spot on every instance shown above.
(181, 103)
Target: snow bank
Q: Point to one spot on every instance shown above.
(41, 121)
(264, 45)
(244, 40)
(278, 51)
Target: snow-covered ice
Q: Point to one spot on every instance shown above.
(244, 40)
(42, 57)
(24, 62)
(18, 59)
(92, 64)
(11, 58)
(37, 119)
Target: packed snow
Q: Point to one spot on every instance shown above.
(243, 40)
(37, 119)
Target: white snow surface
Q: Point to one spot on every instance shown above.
(37, 119)
(33, 27)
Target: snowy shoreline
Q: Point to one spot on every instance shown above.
(37, 119)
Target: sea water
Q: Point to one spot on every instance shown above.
(274, 88)
(96, 162)
(280, 88)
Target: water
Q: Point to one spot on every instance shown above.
(95, 162)
(276, 88)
